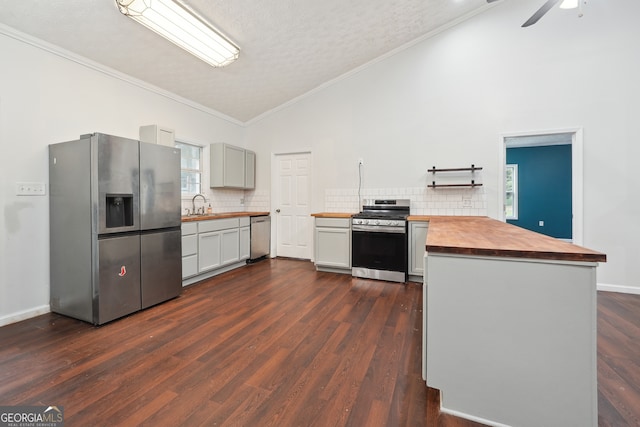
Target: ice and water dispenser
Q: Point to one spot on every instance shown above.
(119, 210)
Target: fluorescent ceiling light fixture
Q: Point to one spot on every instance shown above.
(569, 4)
(178, 24)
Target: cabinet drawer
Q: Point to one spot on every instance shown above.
(189, 245)
(218, 224)
(189, 266)
(244, 221)
(189, 228)
(333, 222)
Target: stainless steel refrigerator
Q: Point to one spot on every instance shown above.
(115, 236)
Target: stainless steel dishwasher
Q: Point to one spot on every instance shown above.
(260, 238)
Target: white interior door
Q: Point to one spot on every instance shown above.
(292, 205)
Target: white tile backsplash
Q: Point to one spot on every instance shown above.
(227, 200)
(424, 201)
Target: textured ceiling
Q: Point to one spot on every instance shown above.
(288, 47)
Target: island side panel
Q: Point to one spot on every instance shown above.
(513, 341)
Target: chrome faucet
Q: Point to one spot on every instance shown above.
(193, 203)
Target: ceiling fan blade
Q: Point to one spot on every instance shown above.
(540, 13)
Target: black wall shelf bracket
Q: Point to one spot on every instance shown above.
(472, 169)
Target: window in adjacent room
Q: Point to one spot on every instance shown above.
(511, 197)
(190, 168)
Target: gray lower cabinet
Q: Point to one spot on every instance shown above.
(209, 251)
(230, 246)
(189, 249)
(333, 244)
(245, 241)
(211, 245)
(417, 243)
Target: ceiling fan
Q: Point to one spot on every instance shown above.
(566, 4)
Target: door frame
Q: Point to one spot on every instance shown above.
(577, 175)
(275, 192)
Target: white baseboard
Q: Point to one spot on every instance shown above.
(619, 288)
(23, 315)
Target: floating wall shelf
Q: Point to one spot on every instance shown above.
(472, 184)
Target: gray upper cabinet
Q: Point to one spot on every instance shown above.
(232, 167)
(250, 170)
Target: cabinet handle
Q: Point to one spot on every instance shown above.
(277, 210)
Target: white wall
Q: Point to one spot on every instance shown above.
(45, 99)
(447, 100)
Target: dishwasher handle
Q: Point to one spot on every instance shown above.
(258, 219)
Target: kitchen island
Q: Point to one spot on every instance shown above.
(510, 324)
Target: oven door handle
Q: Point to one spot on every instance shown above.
(378, 229)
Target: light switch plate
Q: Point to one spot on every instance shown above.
(30, 189)
(541, 223)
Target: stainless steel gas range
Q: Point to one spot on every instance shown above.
(379, 240)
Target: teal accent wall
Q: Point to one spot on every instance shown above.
(544, 189)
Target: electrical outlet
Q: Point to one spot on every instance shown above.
(466, 203)
(30, 189)
(242, 201)
(360, 161)
(541, 223)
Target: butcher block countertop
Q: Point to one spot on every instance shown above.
(419, 218)
(488, 237)
(206, 217)
(332, 215)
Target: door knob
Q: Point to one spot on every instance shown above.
(277, 210)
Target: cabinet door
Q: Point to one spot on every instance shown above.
(189, 245)
(230, 246)
(209, 255)
(250, 169)
(189, 266)
(245, 242)
(333, 247)
(417, 244)
(233, 166)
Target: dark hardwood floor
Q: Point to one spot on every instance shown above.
(272, 344)
(618, 359)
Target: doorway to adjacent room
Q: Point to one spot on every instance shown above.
(543, 182)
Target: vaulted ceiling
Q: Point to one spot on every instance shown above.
(288, 47)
